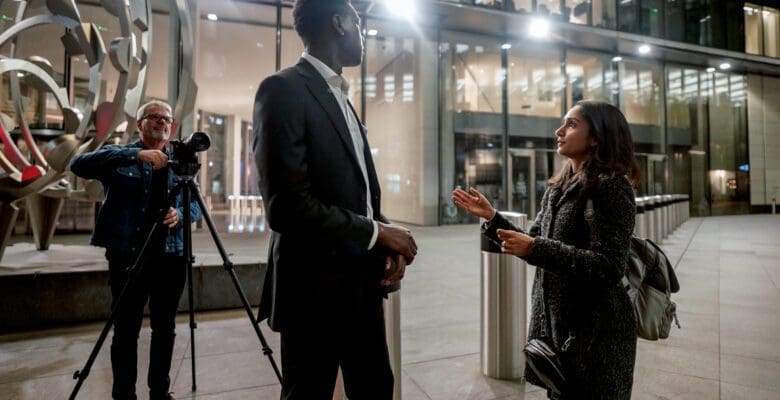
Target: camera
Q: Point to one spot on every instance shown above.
(184, 161)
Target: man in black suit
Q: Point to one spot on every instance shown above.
(332, 255)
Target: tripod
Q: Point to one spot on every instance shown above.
(187, 186)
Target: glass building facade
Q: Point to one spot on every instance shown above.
(464, 94)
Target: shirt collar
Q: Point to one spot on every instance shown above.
(333, 79)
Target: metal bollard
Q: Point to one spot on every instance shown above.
(503, 309)
(639, 220)
(680, 205)
(669, 214)
(664, 213)
(659, 217)
(393, 335)
(650, 217)
(234, 213)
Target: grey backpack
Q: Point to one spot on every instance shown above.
(650, 281)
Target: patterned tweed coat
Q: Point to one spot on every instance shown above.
(578, 285)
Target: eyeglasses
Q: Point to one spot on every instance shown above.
(158, 118)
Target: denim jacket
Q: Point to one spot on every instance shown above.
(126, 184)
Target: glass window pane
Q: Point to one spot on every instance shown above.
(578, 11)
(628, 14)
(400, 92)
(497, 4)
(753, 29)
(549, 8)
(728, 179)
(472, 123)
(536, 89)
(591, 76)
(292, 46)
(687, 129)
(604, 13)
(675, 20)
(650, 17)
(771, 19)
(226, 88)
(640, 85)
(523, 6)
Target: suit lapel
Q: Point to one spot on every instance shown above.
(321, 92)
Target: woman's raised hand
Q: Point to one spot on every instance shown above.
(473, 202)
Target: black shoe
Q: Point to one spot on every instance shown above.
(161, 396)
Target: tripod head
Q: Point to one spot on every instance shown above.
(184, 161)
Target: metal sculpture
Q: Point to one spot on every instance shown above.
(40, 179)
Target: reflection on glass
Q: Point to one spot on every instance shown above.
(248, 168)
(292, 46)
(225, 86)
(548, 8)
(604, 13)
(535, 82)
(753, 29)
(728, 165)
(640, 98)
(522, 6)
(226, 90)
(771, 19)
(536, 88)
(214, 169)
(400, 71)
(591, 76)
(578, 11)
(471, 124)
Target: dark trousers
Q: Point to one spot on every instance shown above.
(313, 350)
(161, 282)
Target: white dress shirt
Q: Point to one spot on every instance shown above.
(339, 87)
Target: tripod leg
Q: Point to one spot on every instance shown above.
(189, 260)
(133, 273)
(228, 265)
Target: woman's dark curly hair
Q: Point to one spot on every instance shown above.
(613, 153)
(312, 16)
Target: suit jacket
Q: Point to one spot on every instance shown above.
(315, 199)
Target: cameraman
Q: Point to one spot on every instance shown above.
(136, 183)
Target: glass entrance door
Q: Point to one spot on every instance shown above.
(522, 181)
(653, 174)
(656, 174)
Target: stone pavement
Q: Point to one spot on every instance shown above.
(728, 347)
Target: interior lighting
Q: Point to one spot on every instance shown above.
(506, 46)
(401, 8)
(711, 69)
(644, 49)
(617, 59)
(372, 32)
(539, 28)
(725, 66)
(212, 17)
